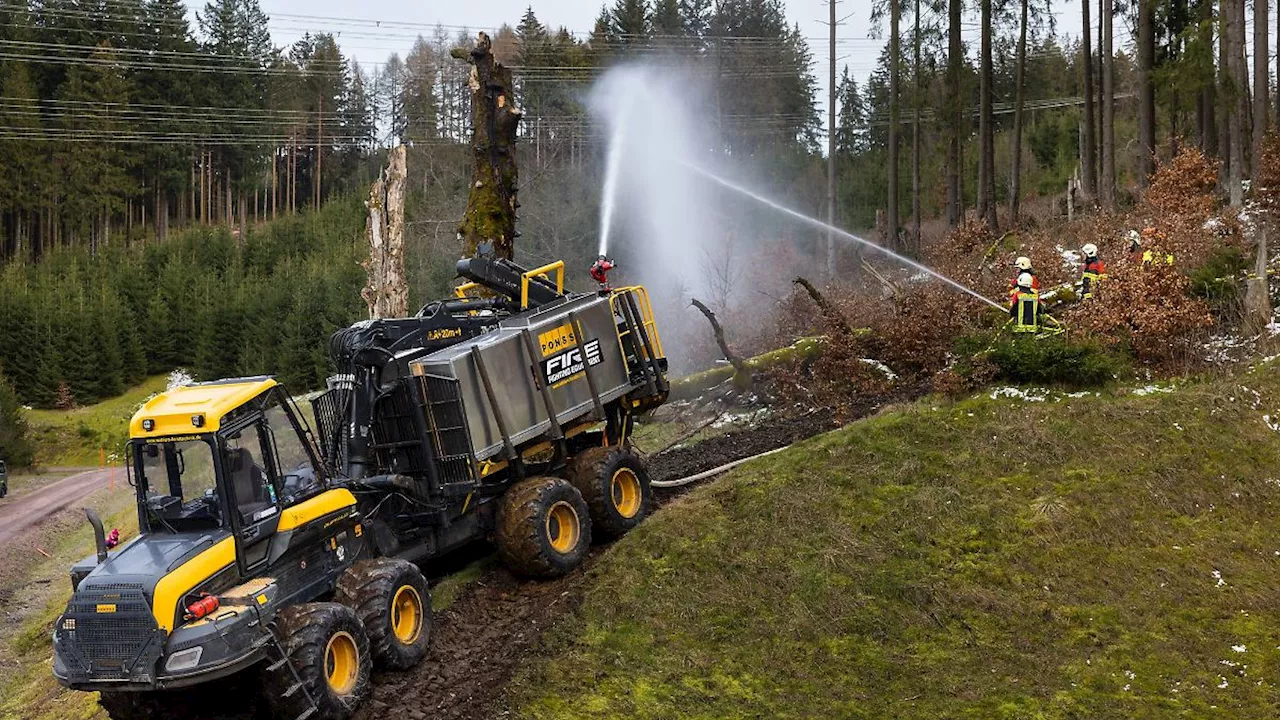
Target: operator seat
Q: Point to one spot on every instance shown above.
(248, 483)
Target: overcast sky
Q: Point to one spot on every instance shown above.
(371, 45)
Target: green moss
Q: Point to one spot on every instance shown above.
(802, 349)
(984, 559)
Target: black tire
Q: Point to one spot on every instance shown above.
(320, 640)
(615, 483)
(544, 528)
(392, 601)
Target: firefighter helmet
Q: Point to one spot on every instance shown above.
(1025, 280)
(1090, 250)
(1022, 263)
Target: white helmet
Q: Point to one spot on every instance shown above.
(1090, 250)
(1025, 280)
(1135, 236)
(1022, 263)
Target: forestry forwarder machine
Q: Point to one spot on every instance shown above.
(263, 547)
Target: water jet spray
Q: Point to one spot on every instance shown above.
(843, 234)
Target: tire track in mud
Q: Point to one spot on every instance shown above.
(497, 624)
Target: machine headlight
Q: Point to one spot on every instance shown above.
(148, 425)
(184, 659)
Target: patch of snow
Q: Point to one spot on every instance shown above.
(889, 374)
(1152, 389)
(1031, 395)
(1273, 424)
(1212, 223)
(1222, 685)
(1217, 576)
(1070, 258)
(1239, 648)
(749, 417)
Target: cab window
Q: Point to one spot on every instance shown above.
(297, 472)
(252, 490)
(178, 485)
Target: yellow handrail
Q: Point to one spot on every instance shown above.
(461, 290)
(557, 267)
(646, 318)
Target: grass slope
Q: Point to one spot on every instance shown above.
(1101, 557)
(74, 437)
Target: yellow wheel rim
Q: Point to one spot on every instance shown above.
(625, 490)
(342, 663)
(562, 527)
(406, 615)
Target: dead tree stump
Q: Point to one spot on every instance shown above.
(742, 372)
(490, 217)
(387, 292)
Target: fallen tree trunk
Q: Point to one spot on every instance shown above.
(691, 386)
(742, 373)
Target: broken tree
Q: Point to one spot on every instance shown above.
(387, 293)
(741, 373)
(491, 206)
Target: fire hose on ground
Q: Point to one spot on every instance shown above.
(713, 471)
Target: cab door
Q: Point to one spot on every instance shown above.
(253, 494)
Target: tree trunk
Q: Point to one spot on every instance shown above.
(831, 146)
(1146, 91)
(1088, 158)
(891, 202)
(986, 128)
(1257, 299)
(162, 214)
(955, 199)
(1261, 81)
(914, 250)
(1107, 182)
(319, 179)
(1238, 104)
(1224, 93)
(1015, 175)
(387, 291)
(490, 217)
(1206, 121)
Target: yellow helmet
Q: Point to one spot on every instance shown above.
(1022, 263)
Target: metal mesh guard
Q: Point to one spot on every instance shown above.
(121, 644)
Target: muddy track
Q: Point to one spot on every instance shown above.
(498, 623)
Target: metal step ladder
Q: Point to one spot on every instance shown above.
(274, 649)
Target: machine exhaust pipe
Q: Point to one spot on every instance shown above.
(99, 536)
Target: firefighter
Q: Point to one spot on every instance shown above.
(1023, 267)
(1094, 272)
(1024, 310)
(1152, 252)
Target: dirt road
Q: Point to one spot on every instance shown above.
(20, 514)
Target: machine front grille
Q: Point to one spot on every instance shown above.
(109, 633)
